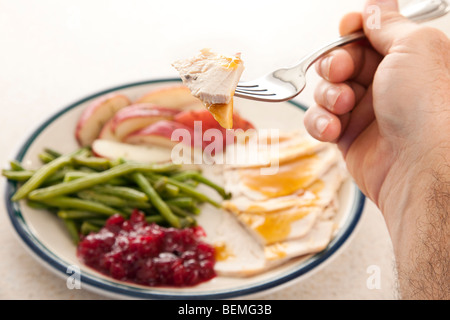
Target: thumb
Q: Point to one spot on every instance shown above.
(383, 24)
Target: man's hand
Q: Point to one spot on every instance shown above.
(386, 103)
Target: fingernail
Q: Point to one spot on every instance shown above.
(325, 66)
(332, 95)
(321, 124)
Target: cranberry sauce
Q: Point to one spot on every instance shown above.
(148, 254)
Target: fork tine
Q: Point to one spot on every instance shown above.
(251, 88)
(243, 85)
(253, 96)
(248, 84)
(255, 90)
(255, 93)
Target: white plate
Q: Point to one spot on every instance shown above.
(48, 241)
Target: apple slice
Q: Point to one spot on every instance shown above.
(188, 118)
(118, 150)
(107, 133)
(160, 134)
(138, 116)
(176, 96)
(96, 114)
(241, 123)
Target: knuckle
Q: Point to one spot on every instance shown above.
(429, 33)
(391, 17)
(425, 35)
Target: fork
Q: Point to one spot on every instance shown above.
(286, 83)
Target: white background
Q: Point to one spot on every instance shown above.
(53, 53)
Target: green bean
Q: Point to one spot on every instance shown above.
(57, 177)
(195, 210)
(111, 200)
(38, 205)
(127, 210)
(118, 181)
(99, 188)
(185, 175)
(191, 183)
(155, 199)
(23, 175)
(92, 179)
(72, 228)
(52, 152)
(86, 169)
(150, 211)
(197, 176)
(16, 165)
(185, 188)
(155, 218)
(116, 162)
(40, 176)
(123, 192)
(75, 203)
(138, 204)
(97, 222)
(92, 162)
(72, 175)
(165, 189)
(159, 185)
(188, 222)
(179, 211)
(87, 181)
(46, 157)
(87, 227)
(77, 214)
(160, 168)
(171, 190)
(84, 152)
(185, 203)
(181, 202)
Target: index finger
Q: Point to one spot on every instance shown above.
(351, 22)
(354, 61)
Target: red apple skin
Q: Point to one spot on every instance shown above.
(173, 96)
(159, 133)
(137, 116)
(96, 114)
(208, 122)
(189, 117)
(241, 123)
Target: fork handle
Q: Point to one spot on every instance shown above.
(418, 12)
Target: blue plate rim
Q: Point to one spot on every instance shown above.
(115, 288)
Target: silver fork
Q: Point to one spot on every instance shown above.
(286, 83)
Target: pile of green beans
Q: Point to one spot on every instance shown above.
(84, 190)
